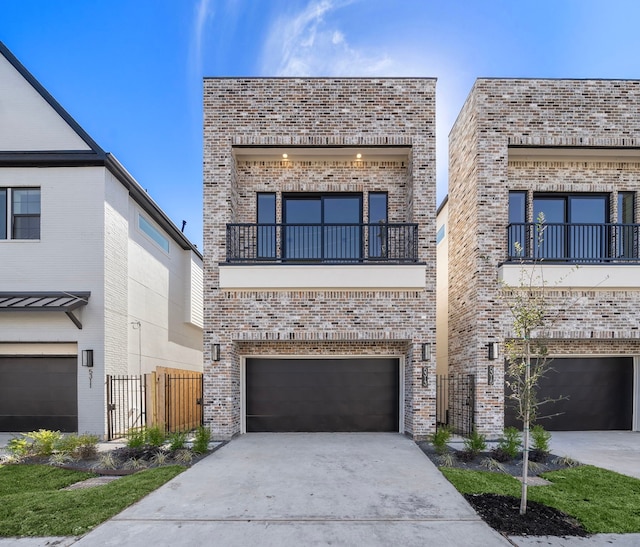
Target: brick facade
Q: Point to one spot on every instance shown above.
(320, 116)
(590, 130)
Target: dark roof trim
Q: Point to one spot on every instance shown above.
(58, 301)
(442, 204)
(574, 146)
(332, 78)
(49, 98)
(315, 146)
(62, 158)
(141, 197)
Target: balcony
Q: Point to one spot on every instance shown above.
(322, 243)
(573, 256)
(322, 256)
(574, 243)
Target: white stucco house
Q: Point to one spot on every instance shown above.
(95, 279)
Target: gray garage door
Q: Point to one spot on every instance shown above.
(38, 392)
(598, 391)
(322, 394)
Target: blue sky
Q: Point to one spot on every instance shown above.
(130, 71)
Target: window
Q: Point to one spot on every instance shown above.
(378, 232)
(266, 236)
(153, 233)
(517, 219)
(627, 237)
(322, 227)
(19, 213)
(575, 226)
(440, 234)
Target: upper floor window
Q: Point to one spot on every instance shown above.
(19, 213)
(153, 233)
(440, 234)
(378, 229)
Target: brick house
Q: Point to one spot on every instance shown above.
(95, 279)
(569, 149)
(319, 210)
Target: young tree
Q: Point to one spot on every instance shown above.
(526, 352)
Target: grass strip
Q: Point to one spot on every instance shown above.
(603, 501)
(31, 503)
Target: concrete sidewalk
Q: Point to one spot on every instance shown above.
(303, 489)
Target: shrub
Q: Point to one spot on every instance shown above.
(87, 446)
(19, 447)
(136, 438)
(440, 439)
(508, 445)
(201, 441)
(154, 436)
(540, 439)
(475, 443)
(67, 445)
(44, 441)
(177, 440)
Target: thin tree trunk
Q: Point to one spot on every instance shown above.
(525, 430)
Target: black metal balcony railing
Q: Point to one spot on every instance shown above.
(574, 243)
(324, 243)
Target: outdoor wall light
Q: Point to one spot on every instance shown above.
(285, 156)
(215, 352)
(493, 350)
(87, 357)
(490, 375)
(425, 377)
(358, 156)
(426, 351)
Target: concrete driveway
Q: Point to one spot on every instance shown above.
(303, 489)
(614, 450)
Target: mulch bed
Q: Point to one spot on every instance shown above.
(502, 513)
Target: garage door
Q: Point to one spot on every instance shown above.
(322, 395)
(599, 395)
(38, 392)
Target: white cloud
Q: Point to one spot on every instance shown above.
(203, 13)
(305, 44)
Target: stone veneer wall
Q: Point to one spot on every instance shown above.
(503, 113)
(318, 112)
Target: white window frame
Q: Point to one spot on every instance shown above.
(153, 233)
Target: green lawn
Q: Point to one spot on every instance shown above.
(603, 501)
(32, 504)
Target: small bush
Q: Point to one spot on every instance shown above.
(201, 441)
(491, 464)
(87, 446)
(177, 440)
(475, 443)
(183, 456)
(159, 458)
(136, 438)
(440, 439)
(540, 439)
(44, 441)
(154, 436)
(19, 447)
(508, 445)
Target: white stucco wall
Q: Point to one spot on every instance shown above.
(28, 121)
(158, 286)
(68, 257)
(442, 294)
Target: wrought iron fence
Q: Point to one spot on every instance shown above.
(455, 402)
(326, 243)
(574, 243)
(126, 404)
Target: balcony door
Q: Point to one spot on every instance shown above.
(323, 227)
(575, 227)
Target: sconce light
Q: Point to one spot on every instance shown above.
(493, 350)
(215, 353)
(426, 351)
(425, 377)
(490, 375)
(87, 357)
